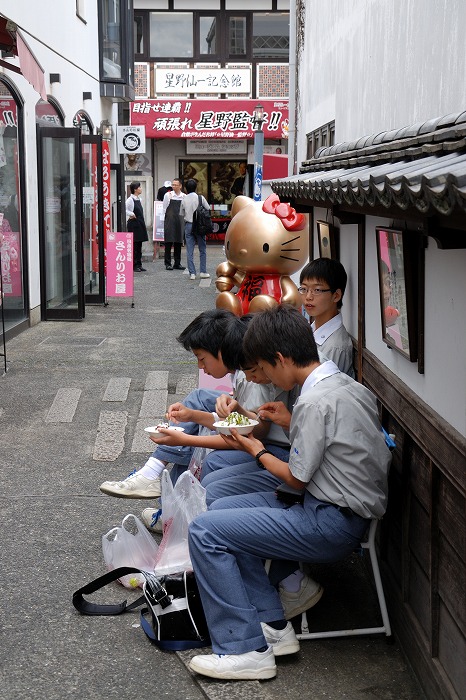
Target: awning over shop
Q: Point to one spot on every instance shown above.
(421, 167)
(12, 41)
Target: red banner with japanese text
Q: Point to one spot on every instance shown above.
(221, 119)
(107, 222)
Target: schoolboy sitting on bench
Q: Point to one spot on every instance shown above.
(338, 459)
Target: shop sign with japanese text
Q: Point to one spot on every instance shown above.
(119, 258)
(202, 80)
(204, 119)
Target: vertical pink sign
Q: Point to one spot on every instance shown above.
(120, 264)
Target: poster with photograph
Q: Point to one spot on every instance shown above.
(197, 170)
(396, 293)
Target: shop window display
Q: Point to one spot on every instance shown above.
(10, 217)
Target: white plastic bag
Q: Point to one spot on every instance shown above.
(200, 453)
(130, 545)
(181, 504)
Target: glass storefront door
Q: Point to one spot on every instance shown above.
(93, 243)
(61, 237)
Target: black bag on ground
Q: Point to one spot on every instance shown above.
(202, 222)
(173, 619)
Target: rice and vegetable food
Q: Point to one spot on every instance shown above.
(234, 419)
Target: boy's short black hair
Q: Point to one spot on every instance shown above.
(134, 185)
(282, 329)
(329, 271)
(191, 185)
(207, 331)
(232, 347)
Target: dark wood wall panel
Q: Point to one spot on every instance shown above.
(418, 596)
(423, 538)
(452, 652)
(451, 582)
(451, 511)
(418, 535)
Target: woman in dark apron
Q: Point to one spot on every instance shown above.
(173, 226)
(136, 224)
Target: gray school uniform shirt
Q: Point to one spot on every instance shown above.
(334, 343)
(337, 446)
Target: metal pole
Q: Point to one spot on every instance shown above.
(258, 162)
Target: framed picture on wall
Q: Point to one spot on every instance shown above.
(397, 268)
(327, 237)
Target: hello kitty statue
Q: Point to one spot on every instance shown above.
(265, 243)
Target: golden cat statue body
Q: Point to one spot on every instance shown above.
(265, 243)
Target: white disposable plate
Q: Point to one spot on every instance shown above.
(242, 429)
(153, 432)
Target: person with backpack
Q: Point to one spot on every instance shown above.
(188, 210)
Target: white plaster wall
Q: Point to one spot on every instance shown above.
(50, 24)
(376, 65)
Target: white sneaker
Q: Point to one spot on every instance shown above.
(134, 486)
(282, 641)
(192, 277)
(204, 275)
(254, 665)
(310, 592)
(152, 519)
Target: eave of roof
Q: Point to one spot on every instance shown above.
(421, 167)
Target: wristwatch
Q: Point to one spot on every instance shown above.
(258, 457)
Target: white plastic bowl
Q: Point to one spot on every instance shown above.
(153, 432)
(242, 429)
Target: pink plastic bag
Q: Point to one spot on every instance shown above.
(130, 545)
(181, 504)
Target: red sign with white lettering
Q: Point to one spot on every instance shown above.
(203, 119)
(107, 223)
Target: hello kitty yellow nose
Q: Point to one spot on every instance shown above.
(243, 251)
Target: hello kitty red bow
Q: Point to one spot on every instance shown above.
(289, 217)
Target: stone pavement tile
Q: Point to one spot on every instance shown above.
(156, 380)
(110, 440)
(154, 403)
(117, 389)
(141, 440)
(64, 406)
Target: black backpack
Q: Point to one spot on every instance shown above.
(202, 223)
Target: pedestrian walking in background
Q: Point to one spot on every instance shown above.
(136, 224)
(173, 225)
(188, 207)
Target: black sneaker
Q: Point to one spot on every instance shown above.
(179, 267)
(168, 267)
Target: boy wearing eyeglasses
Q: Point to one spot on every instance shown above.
(322, 286)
